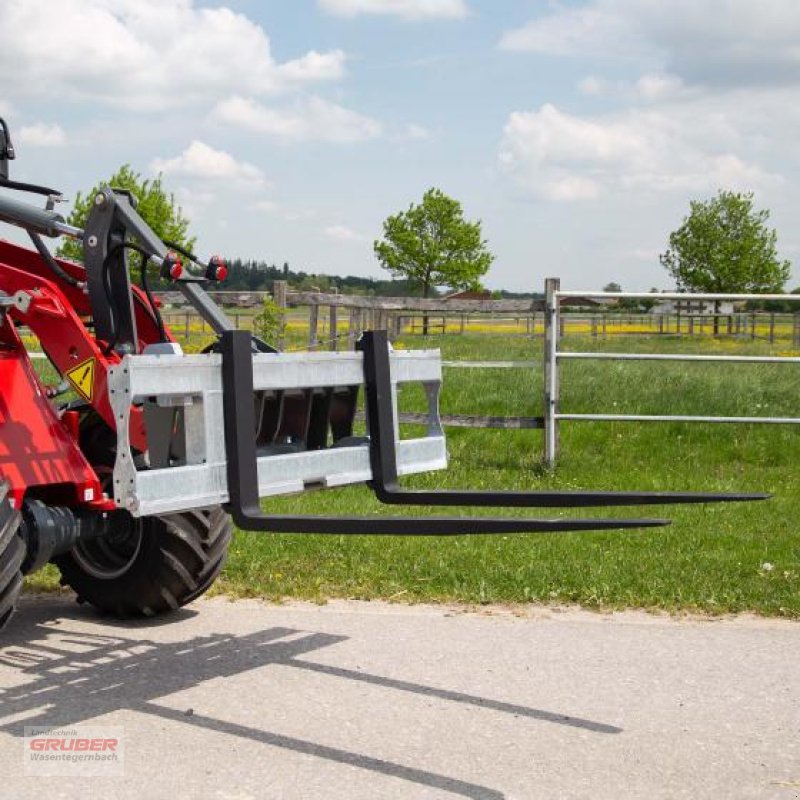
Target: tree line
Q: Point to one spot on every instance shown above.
(724, 245)
(259, 276)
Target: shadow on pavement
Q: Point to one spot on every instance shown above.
(75, 676)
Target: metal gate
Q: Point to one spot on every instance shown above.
(553, 356)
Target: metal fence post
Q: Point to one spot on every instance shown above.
(551, 331)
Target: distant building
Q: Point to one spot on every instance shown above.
(589, 303)
(577, 303)
(693, 307)
(482, 294)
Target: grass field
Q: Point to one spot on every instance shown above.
(715, 558)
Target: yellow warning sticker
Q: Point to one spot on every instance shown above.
(82, 378)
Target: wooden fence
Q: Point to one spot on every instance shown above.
(335, 321)
(395, 314)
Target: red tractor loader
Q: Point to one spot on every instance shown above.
(132, 490)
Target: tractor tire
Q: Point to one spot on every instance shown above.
(12, 554)
(148, 565)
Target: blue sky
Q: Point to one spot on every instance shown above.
(576, 131)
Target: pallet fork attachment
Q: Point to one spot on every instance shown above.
(127, 489)
(245, 508)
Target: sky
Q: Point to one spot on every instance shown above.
(288, 130)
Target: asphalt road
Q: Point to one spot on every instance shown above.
(240, 700)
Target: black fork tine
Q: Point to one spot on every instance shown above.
(383, 460)
(242, 470)
(555, 499)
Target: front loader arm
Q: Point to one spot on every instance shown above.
(45, 310)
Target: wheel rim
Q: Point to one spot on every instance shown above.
(111, 556)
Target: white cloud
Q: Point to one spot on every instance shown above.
(416, 132)
(714, 42)
(193, 201)
(266, 206)
(594, 30)
(650, 87)
(143, 54)
(314, 66)
(658, 86)
(594, 86)
(713, 106)
(199, 160)
(342, 233)
(310, 119)
(41, 134)
(410, 132)
(567, 157)
(406, 9)
(299, 214)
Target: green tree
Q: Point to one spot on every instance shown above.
(624, 303)
(270, 322)
(649, 305)
(431, 244)
(155, 205)
(724, 245)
